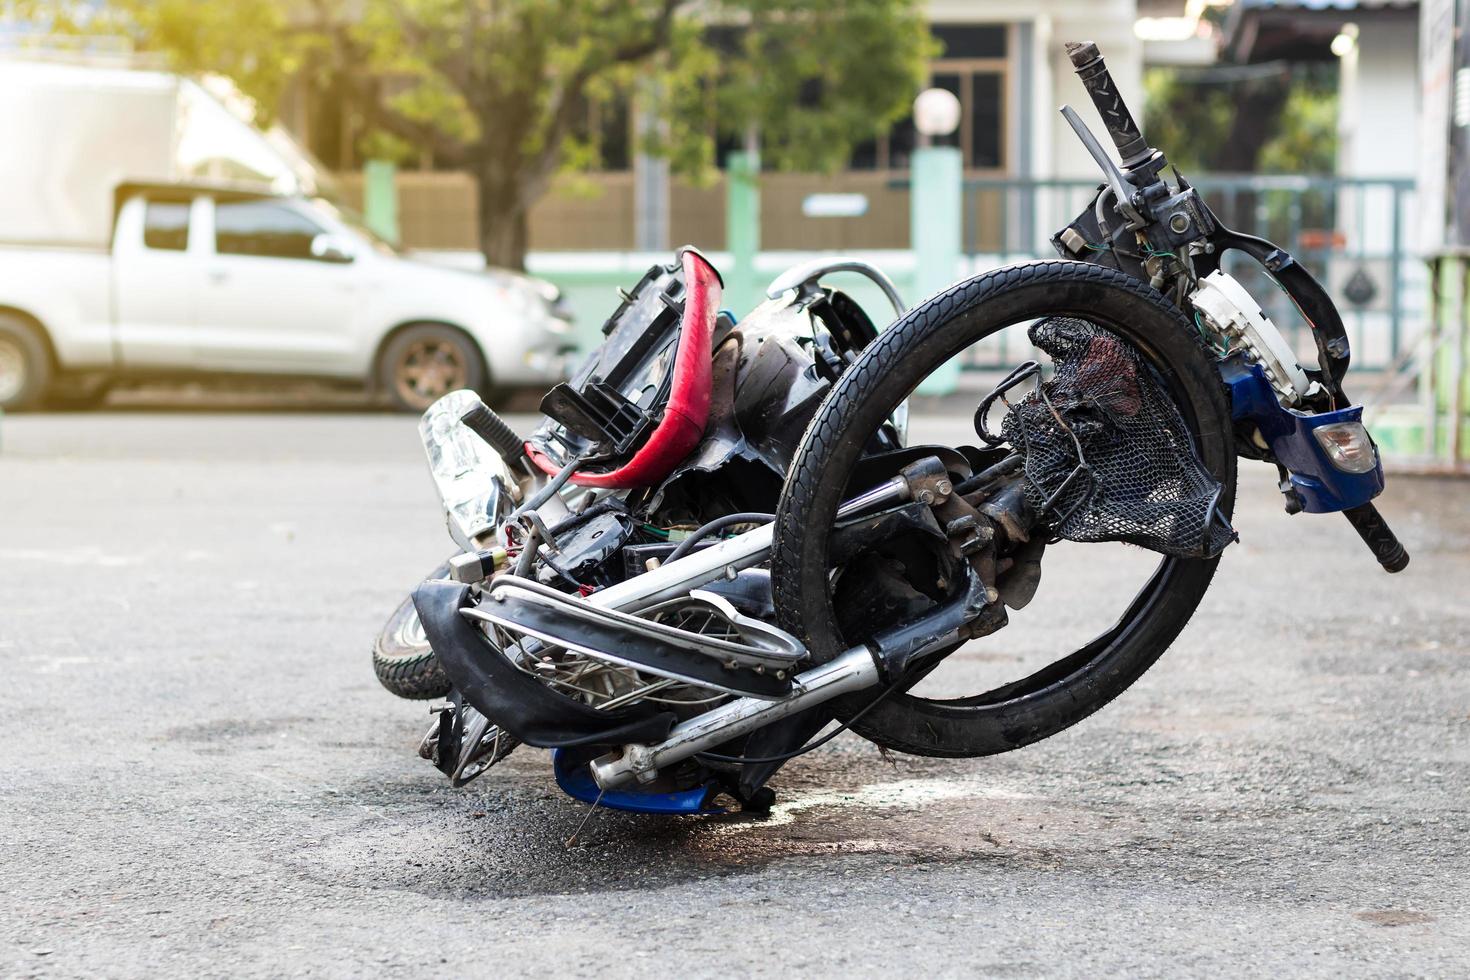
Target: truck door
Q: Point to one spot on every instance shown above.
(156, 258)
(267, 301)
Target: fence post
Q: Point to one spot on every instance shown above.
(742, 230)
(1396, 276)
(936, 218)
(380, 199)
(1456, 373)
(1428, 395)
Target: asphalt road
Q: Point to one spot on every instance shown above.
(199, 774)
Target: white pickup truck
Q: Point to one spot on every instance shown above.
(211, 279)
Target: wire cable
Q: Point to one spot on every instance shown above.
(545, 493)
(718, 524)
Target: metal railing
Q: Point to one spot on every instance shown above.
(1352, 233)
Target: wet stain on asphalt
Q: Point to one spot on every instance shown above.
(509, 839)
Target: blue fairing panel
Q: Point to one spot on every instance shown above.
(1323, 487)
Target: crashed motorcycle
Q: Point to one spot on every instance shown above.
(722, 538)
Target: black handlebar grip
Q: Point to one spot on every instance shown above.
(1093, 72)
(1374, 531)
(483, 422)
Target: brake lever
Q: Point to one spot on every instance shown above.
(1109, 168)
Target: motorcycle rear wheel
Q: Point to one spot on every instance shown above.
(1069, 689)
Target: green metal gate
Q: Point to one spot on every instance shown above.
(1352, 233)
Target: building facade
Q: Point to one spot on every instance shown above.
(1003, 59)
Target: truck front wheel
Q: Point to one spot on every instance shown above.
(425, 362)
(25, 367)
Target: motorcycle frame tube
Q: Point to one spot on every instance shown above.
(704, 565)
(853, 670)
(804, 276)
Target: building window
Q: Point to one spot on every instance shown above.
(607, 125)
(986, 120)
(971, 40)
(974, 65)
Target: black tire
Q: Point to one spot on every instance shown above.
(25, 364)
(402, 658)
(1070, 689)
(423, 362)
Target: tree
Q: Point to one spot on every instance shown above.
(1268, 118)
(500, 88)
(1272, 118)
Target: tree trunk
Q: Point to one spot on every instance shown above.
(503, 225)
(1258, 107)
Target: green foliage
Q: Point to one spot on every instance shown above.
(502, 87)
(1194, 116)
(1189, 122)
(1306, 141)
(816, 76)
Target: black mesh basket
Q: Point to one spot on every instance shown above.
(1107, 455)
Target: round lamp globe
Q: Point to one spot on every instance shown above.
(936, 112)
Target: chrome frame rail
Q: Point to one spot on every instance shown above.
(850, 671)
(704, 565)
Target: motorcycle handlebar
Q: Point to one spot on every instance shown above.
(485, 423)
(1375, 532)
(1093, 72)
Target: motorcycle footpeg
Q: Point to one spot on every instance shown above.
(462, 743)
(440, 745)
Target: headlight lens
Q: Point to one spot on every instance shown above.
(1348, 446)
(518, 301)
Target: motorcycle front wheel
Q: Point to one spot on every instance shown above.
(403, 660)
(1067, 687)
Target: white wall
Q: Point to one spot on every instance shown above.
(1378, 121)
(1378, 136)
(1055, 151)
(1110, 24)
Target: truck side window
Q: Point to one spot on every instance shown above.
(166, 225)
(262, 228)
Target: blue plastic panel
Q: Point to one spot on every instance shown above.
(1323, 487)
(576, 781)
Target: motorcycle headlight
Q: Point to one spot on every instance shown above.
(1348, 446)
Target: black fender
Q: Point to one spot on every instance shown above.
(514, 700)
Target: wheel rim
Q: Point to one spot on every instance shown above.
(1032, 681)
(428, 370)
(1144, 588)
(12, 369)
(410, 634)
